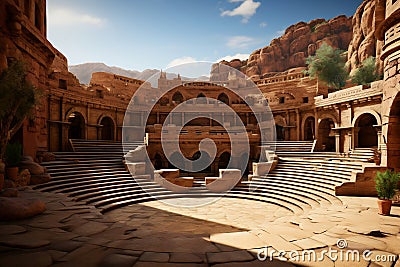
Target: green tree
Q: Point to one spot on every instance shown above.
(328, 65)
(17, 98)
(366, 73)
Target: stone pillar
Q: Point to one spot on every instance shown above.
(337, 141)
(350, 141)
(354, 142)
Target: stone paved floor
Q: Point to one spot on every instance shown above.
(229, 232)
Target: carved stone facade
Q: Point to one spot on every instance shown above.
(356, 117)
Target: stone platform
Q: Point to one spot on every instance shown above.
(229, 232)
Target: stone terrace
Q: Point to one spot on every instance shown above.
(225, 233)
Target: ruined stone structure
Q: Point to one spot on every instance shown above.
(356, 117)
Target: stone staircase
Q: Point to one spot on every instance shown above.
(98, 176)
(362, 154)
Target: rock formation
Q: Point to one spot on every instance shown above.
(364, 44)
(297, 43)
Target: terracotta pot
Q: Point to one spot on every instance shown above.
(12, 173)
(384, 206)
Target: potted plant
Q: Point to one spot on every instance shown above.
(13, 158)
(386, 183)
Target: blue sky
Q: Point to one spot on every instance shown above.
(141, 34)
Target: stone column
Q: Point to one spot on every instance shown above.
(337, 141)
(355, 137)
(350, 141)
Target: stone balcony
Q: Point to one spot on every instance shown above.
(353, 93)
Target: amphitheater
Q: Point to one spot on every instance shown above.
(306, 197)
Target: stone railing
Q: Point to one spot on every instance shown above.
(349, 94)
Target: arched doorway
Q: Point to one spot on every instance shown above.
(177, 98)
(158, 162)
(200, 165)
(224, 159)
(326, 136)
(367, 136)
(393, 135)
(309, 129)
(77, 126)
(107, 130)
(223, 98)
(280, 132)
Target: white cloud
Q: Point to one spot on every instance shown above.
(241, 42)
(180, 61)
(237, 56)
(246, 9)
(65, 16)
(263, 24)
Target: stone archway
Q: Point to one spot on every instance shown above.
(177, 98)
(108, 128)
(367, 136)
(326, 136)
(223, 98)
(158, 162)
(309, 129)
(224, 159)
(393, 135)
(77, 126)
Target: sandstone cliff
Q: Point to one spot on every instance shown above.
(298, 42)
(364, 44)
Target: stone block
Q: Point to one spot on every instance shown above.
(228, 178)
(168, 173)
(137, 168)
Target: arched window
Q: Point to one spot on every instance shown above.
(177, 98)
(201, 99)
(223, 98)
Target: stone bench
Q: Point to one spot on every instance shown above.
(136, 168)
(172, 176)
(262, 168)
(227, 179)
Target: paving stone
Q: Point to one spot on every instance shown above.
(36, 259)
(229, 256)
(308, 243)
(66, 245)
(288, 232)
(23, 241)
(56, 255)
(325, 239)
(154, 257)
(117, 260)
(370, 242)
(277, 242)
(89, 228)
(383, 258)
(256, 263)
(11, 229)
(185, 258)
(166, 264)
(239, 240)
(352, 262)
